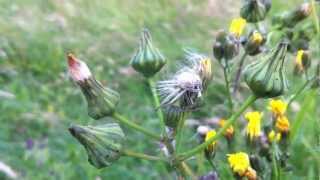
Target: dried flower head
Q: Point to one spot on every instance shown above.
(254, 124)
(184, 87)
(78, 69)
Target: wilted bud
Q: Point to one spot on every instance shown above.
(283, 124)
(202, 65)
(253, 45)
(255, 10)
(184, 88)
(266, 77)
(212, 175)
(251, 174)
(291, 18)
(302, 61)
(225, 47)
(147, 60)
(273, 136)
(172, 115)
(103, 143)
(229, 133)
(101, 101)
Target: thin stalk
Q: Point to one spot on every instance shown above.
(275, 167)
(238, 74)
(220, 133)
(123, 120)
(227, 83)
(300, 90)
(157, 104)
(180, 132)
(141, 156)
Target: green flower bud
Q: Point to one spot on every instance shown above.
(225, 47)
(101, 101)
(103, 143)
(291, 18)
(255, 10)
(172, 115)
(147, 60)
(253, 45)
(266, 77)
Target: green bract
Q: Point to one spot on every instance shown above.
(255, 10)
(103, 143)
(225, 47)
(172, 115)
(266, 77)
(147, 60)
(102, 101)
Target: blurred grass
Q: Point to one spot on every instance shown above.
(35, 35)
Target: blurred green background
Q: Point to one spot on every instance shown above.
(38, 101)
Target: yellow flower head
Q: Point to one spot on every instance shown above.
(205, 70)
(229, 132)
(256, 38)
(209, 135)
(254, 124)
(272, 136)
(302, 60)
(283, 124)
(239, 162)
(237, 26)
(278, 107)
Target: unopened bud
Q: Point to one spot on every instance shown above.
(225, 47)
(147, 60)
(302, 61)
(103, 143)
(172, 115)
(255, 10)
(266, 77)
(101, 101)
(253, 44)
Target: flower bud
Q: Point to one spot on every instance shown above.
(229, 133)
(147, 60)
(172, 115)
(266, 77)
(225, 47)
(212, 175)
(253, 45)
(103, 143)
(101, 101)
(302, 61)
(291, 18)
(255, 10)
(210, 150)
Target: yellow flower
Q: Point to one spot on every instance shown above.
(230, 130)
(256, 38)
(254, 124)
(278, 107)
(283, 124)
(239, 162)
(302, 60)
(209, 135)
(237, 26)
(272, 136)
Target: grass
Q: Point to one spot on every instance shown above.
(35, 35)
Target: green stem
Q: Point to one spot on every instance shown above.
(299, 91)
(123, 120)
(238, 74)
(141, 156)
(274, 164)
(180, 132)
(157, 104)
(220, 133)
(226, 79)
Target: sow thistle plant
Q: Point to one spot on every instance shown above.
(266, 151)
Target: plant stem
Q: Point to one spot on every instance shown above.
(157, 104)
(226, 79)
(238, 74)
(180, 132)
(123, 120)
(220, 133)
(141, 156)
(299, 91)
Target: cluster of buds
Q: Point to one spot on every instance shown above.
(266, 77)
(255, 10)
(103, 143)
